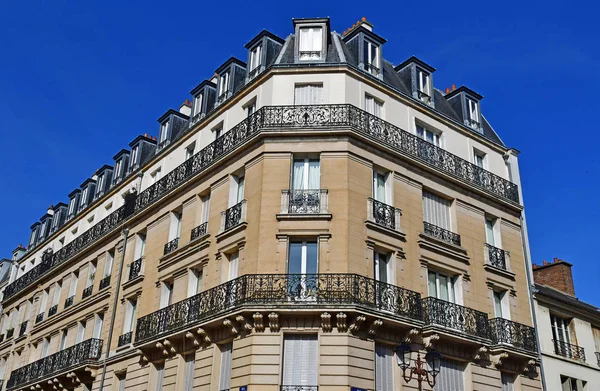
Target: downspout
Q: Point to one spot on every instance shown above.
(114, 310)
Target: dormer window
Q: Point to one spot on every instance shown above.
(84, 197)
(423, 86)
(254, 65)
(198, 104)
(100, 188)
(223, 86)
(72, 207)
(371, 57)
(473, 112)
(118, 166)
(163, 134)
(134, 153)
(310, 43)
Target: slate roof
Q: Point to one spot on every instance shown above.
(566, 299)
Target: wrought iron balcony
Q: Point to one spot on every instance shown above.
(9, 333)
(372, 69)
(299, 388)
(569, 350)
(441, 233)
(504, 331)
(68, 359)
(53, 310)
(69, 301)
(199, 231)
(39, 318)
(284, 291)
(135, 268)
(125, 339)
(496, 257)
(383, 214)
(171, 246)
(233, 216)
(87, 292)
(104, 283)
(598, 358)
(299, 201)
(23, 328)
(309, 54)
(455, 317)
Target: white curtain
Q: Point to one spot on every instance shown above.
(311, 39)
(300, 355)
(314, 174)
(436, 210)
(308, 94)
(298, 175)
(233, 265)
(450, 377)
(384, 367)
(225, 366)
(379, 187)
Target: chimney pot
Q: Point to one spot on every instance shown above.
(545, 263)
(557, 275)
(453, 87)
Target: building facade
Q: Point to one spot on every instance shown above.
(569, 330)
(309, 210)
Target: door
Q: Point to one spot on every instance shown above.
(302, 270)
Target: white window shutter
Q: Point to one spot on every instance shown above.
(451, 377)
(507, 382)
(300, 360)
(226, 358)
(384, 367)
(436, 210)
(190, 360)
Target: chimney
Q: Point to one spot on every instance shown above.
(186, 108)
(556, 274)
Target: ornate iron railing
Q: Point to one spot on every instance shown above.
(456, 317)
(9, 333)
(135, 268)
(171, 246)
(77, 355)
(199, 231)
(324, 117)
(441, 233)
(372, 69)
(53, 310)
(104, 283)
(299, 201)
(125, 339)
(39, 318)
(23, 328)
(504, 331)
(282, 290)
(87, 292)
(383, 214)
(232, 216)
(496, 257)
(569, 350)
(598, 358)
(1, 337)
(300, 388)
(309, 54)
(69, 301)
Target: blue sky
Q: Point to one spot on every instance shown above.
(79, 81)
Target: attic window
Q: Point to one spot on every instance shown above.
(254, 66)
(118, 170)
(423, 88)
(198, 103)
(311, 43)
(223, 86)
(473, 113)
(163, 134)
(134, 153)
(371, 57)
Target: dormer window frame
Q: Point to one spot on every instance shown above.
(163, 137)
(473, 112)
(308, 51)
(224, 84)
(118, 168)
(423, 85)
(134, 156)
(255, 60)
(368, 46)
(99, 188)
(198, 104)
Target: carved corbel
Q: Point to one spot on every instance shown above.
(202, 333)
(498, 359)
(430, 340)
(274, 322)
(342, 324)
(326, 322)
(412, 333)
(231, 326)
(259, 324)
(358, 321)
(531, 368)
(374, 326)
(243, 322)
(91, 372)
(169, 346)
(482, 354)
(162, 349)
(192, 337)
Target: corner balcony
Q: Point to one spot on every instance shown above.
(55, 367)
(568, 350)
(513, 335)
(285, 291)
(496, 257)
(455, 318)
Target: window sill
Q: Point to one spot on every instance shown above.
(303, 216)
(231, 231)
(190, 248)
(439, 246)
(503, 278)
(134, 281)
(386, 230)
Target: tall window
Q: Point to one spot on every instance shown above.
(56, 298)
(44, 300)
(110, 257)
(175, 227)
(73, 285)
(163, 132)
(308, 94)
(572, 384)
(560, 329)
(303, 257)
(501, 305)
(371, 57)
(98, 324)
(194, 282)
(100, 188)
(423, 84)
(91, 274)
(226, 358)
(45, 347)
(236, 190)
(84, 197)
(479, 158)
(473, 111)
(311, 43)
(198, 103)
(451, 376)
(384, 367)
(383, 267)
(190, 360)
(140, 246)
(80, 332)
(166, 294)
(189, 151)
(205, 209)
(441, 286)
(380, 188)
(306, 174)
(134, 154)
(429, 135)
(160, 376)
(63, 339)
(492, 234)
(373, 106)
(300, 357)
(436, 210)
(233, 266)
(223, 84)
(118, 165)
(72, 206)
(130, 312)
(255, 57)
(250, 108)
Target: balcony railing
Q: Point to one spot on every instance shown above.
(323, 117)
(53, 310)
(125, 339)
(496, 257)
(69, 301)
(456, 317)
(233, 216)
(23, 329)
(284, 291)
(298, 201)
(299, 388)
(598, 358)
(67, 359)
(504, 331)
(171, 246)
(569, 350)
(135, 268)
(87, 292)
(441, 233)
(9, 333)
(39, 318)
(199, 231)
(104, 283)
(383, 214)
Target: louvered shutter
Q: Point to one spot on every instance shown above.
(436, 210)
(189, 372)
(384, 367)
(300, 354)
(225, 367)
(450, 377)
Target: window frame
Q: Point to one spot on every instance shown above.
(306, 52)
(422, 131)
(377, 104)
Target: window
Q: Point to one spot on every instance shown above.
(255, 58)
(71, 206)
(436, 210)
(300, 357)
(110, 257)
(44, 300)
(311, 43)
(383, 267)
(236, 191)
(175, 227)
(80, 332)
(451, 376)
(373, 106)
(508, 381)
(308, 94)
(429, 135)
(205, 209)
(160, 375)
(140, 246)
(223, 84)
(250, 108)
(56, 298)
(371, 57)
(198, 103)
(130, 310)
(45, 347)
(572, 384)
(118, 169)
(479, 158)
(423, 85)
(233, 266)
(501, 305)
(98, 323)
(189, 151)
(195, 282)
(226, 358)
(190, 360)
(91, 274)
(384, 367)
(166, 294)
(560, 333)
(63, 340)
(441, 286)
(473, 112)
(217, 131)
(492, 234)
(155, 176)
(134, 153)
(380, 192)
(121, 383)
(100, 188)
(596, 334)
(303, 257)
(84, 196)
(73, 286)
(163, 132)
(306, 174)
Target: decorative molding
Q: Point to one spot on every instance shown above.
(430, 340)
(243, 323)
(259, 324)
(204, 335)
(231, 326)
(377, 323)
(358, 321)
(342, 324)
(274, 322)
(326, 322)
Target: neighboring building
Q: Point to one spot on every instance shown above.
(569, 330)
(308, 211)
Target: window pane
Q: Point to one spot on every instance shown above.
(298, 175)
(498, 304)
(432, 285)
(314, 174)
(311, 257)
(295, 258)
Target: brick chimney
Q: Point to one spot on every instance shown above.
(556, 274)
